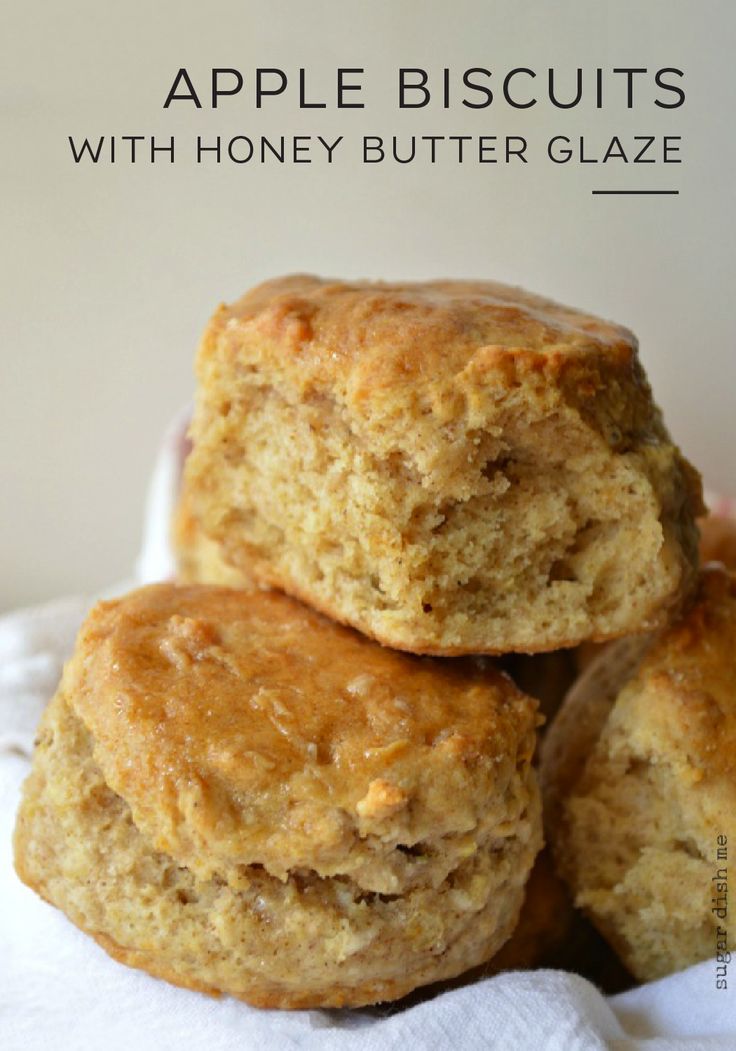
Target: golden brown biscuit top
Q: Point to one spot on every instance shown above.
(376, 334)
(248, 727)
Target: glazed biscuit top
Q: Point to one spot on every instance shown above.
(374, 335)
(246, 729)
(420, 373)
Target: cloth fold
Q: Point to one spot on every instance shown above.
(59, 990)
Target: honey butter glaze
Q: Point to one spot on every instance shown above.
(244, 729)
(361, 340)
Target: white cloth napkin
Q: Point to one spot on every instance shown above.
(59, 991)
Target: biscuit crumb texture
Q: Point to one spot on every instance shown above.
(450, 467)
(224, 796)
(640, 781)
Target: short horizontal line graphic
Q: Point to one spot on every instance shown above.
(633, 193)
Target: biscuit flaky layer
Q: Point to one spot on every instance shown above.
(450, 467)
(639, 773)
(173, 776)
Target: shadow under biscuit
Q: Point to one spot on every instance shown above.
(545, 676)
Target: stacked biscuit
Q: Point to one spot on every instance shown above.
(296, 776)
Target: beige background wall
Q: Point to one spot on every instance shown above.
(109, 273)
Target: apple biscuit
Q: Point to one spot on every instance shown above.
(639, 779)
(237, 795)
(449, 467)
